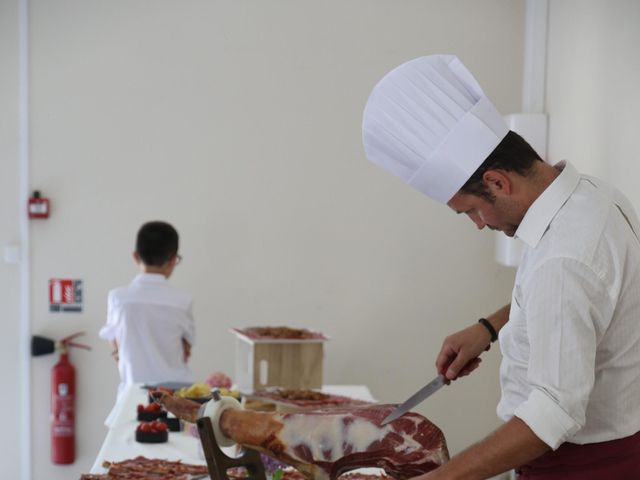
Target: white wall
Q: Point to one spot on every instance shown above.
(593, 98)
(239, 122)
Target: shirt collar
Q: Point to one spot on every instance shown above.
(149, 278)
(546, 206)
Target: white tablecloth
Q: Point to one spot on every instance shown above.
(120, 443)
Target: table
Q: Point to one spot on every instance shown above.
(120, 443)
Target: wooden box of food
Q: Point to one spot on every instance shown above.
(278, 357)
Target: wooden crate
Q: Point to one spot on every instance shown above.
(262, 363)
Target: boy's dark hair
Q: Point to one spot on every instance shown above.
(513, 154)
(156, 243)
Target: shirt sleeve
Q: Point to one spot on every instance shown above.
(568, 310)
(108, 331)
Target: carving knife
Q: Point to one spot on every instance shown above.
(420, 396)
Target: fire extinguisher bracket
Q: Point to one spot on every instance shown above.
(44, 345)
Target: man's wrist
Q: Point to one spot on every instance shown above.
(492, 331)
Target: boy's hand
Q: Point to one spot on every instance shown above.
(186, 349)
(114, 350)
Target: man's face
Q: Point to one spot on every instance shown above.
(501, 213)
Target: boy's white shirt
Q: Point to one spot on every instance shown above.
(148, 319)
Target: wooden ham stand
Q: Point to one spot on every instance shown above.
(218, 462)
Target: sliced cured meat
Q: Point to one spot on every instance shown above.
(306, 398)
(147, 468)
(365, 476)
(291, 473)
(281, 333)
(326, 443)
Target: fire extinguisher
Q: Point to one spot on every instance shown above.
(63, 390)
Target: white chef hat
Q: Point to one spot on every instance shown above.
(429, 122)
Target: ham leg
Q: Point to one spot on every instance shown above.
(326, 443)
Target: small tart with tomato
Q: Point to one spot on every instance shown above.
(153, 411)
(152, 432)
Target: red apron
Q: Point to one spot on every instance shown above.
(616, 459)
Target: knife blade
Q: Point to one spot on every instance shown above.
(420, 396)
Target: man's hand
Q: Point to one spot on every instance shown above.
(186, 350)
(460, 352)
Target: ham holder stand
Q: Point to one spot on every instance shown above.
(219, 462)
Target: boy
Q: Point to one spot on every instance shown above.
(149, 323)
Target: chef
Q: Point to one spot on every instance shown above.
(570, 338)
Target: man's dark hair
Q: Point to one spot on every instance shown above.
(513, 154)
(156, 243)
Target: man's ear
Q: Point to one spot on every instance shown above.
(136, 257)
(497, 182)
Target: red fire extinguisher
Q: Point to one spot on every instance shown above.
(63, 391)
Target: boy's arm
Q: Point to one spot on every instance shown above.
(189, 334)
(186, 349)
(108, 331)
(114, 350)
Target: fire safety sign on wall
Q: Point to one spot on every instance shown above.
(65, 295)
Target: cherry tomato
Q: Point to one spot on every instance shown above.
(161, 427)
(140, 408)
(146, 427)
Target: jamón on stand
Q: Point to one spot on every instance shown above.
(326, 443)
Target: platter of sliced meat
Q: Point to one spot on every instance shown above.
(279, 334)
(148, 468)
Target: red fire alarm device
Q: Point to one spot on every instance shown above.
(38, 206)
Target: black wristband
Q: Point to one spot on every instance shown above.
(488, 326)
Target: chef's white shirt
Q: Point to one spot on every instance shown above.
(571, 347)
(148, 319)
